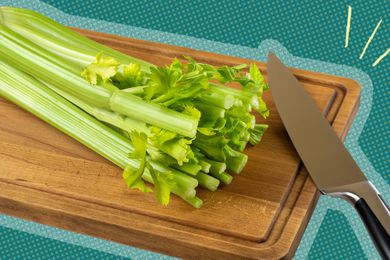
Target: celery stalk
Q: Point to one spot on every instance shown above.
(205, 166)
(40, 63)
(134, 107)
(191, 169)
(216, 167)
(108, 116)
(221, 100)
(223, 177)
(237, 162)
(207, 181)
(38, 99)
(52, 35)
(152, 112)
(247, 97)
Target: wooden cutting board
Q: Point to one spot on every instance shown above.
(47, 177)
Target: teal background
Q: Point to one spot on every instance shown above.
(26, 245)
(314, 31)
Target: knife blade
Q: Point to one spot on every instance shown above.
(328, 162)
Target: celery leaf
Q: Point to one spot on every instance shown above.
(103, 68)
(133, 176)
(163, 183)
(128, 76)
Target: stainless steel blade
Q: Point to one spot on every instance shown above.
(325, 157)
(329, 163)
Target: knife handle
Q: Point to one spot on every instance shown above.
(374, 227)
(372, 209)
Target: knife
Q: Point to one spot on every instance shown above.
(329, 164)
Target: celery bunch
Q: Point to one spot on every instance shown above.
(175, 126)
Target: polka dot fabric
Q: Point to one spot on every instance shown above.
(20, 239)
(314, 31)
(28, 246)
(331, 244)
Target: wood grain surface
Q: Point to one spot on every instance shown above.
(48, 177)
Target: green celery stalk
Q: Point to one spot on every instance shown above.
(235, 161)
(55, 55)
(108, 116)
(207, 181)
(194, 201)
(134, 107)
(216, 167)
(41, 101)
(209, 111)
(257, 133)
(182, 178)
(184, 192)
(205, 166)
(246, 97)
(36, 98)
(40, 63)
(54, 90)
(54, 36)
(240, 146)
(245, 136)
(191, 169)
(223, 177)
(218, 99)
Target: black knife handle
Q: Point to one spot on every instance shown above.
(372, 209)
(374, 227)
